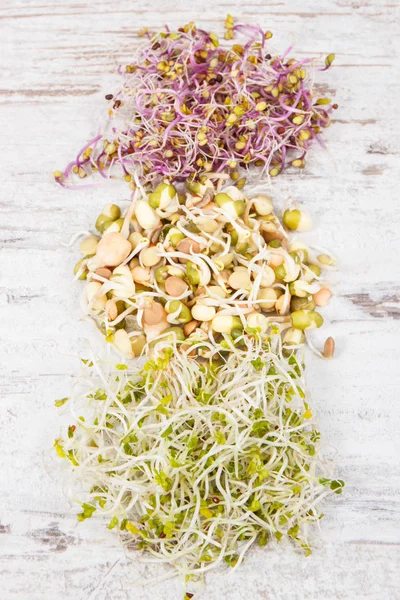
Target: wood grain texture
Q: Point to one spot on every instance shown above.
(58, 59)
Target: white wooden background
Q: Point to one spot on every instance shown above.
(57, 57)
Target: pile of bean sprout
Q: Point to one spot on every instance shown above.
(188, 106)
(198, 264)
(195, 461)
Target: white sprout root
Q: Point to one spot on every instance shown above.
(196, 461)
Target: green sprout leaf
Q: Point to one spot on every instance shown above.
(278, 536)
(255, 505)
(121, 367)
(220, 438)
(258, 364)
(163, 480)
(167, 432)
(337, 486)
(131, 527)
(88, 510)
(59, 449)
(113, 523)
(87, 362)
(61, 402)
(329, 60)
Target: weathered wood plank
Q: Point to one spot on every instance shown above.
(59, 60)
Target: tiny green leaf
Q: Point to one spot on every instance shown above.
(132, 528)
(87, 362)
(167, 432)
(337, 486)
(88, 510)
(121, 367)
(220, 438)
(257, 364)
(72, 458)
(255, 505)
(113, 523)
(324, 482)
(329, 60)
(59, 403)
(59, 449)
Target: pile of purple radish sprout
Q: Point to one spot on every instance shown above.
(189, 106)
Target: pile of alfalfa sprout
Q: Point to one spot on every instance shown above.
(196, 461)
(211, 447)
(188, 105)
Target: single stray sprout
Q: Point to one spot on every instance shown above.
(329, 348)
(195, 461)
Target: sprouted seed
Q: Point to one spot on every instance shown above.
(201, 263)
(194, 461)
(211, 447)
(188, 105)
